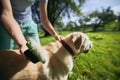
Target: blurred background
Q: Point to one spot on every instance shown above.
(84, 15)
(100, 20)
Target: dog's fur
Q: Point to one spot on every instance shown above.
(59, 62)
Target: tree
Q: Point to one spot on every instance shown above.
(59, 7)
(118, 19)
(103, 18)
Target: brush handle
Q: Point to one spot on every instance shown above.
(30, 56)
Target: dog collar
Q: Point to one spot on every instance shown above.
(69, 49)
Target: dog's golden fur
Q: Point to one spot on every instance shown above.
(59, 62)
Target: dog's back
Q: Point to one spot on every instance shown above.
(14, 65)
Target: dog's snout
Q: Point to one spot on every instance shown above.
(88, 47)
(86, 51)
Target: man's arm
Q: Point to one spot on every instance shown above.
(45, 21)
(10, 24)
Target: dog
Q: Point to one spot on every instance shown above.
(58, 56)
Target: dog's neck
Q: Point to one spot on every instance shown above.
(58, 50)
(69, 49)
(60, 59)
(71, 44)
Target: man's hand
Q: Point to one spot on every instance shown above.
(22, 49)
(58, 37)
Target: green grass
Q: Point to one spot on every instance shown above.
(103, 60)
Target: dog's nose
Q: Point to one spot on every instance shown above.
(86, 51)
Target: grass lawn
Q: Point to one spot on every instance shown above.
(103, 60)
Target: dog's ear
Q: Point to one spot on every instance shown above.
(77, 40)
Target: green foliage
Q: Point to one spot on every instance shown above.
(103, 60)
(104, 20)
(60, 7)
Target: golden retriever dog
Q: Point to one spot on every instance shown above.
(58, 55)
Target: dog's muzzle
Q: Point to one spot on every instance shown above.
(86, 51)
(88, 47)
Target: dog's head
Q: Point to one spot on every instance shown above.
(79, 42)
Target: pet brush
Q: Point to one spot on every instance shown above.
(32, 54)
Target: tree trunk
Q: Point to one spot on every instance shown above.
(46, 33)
